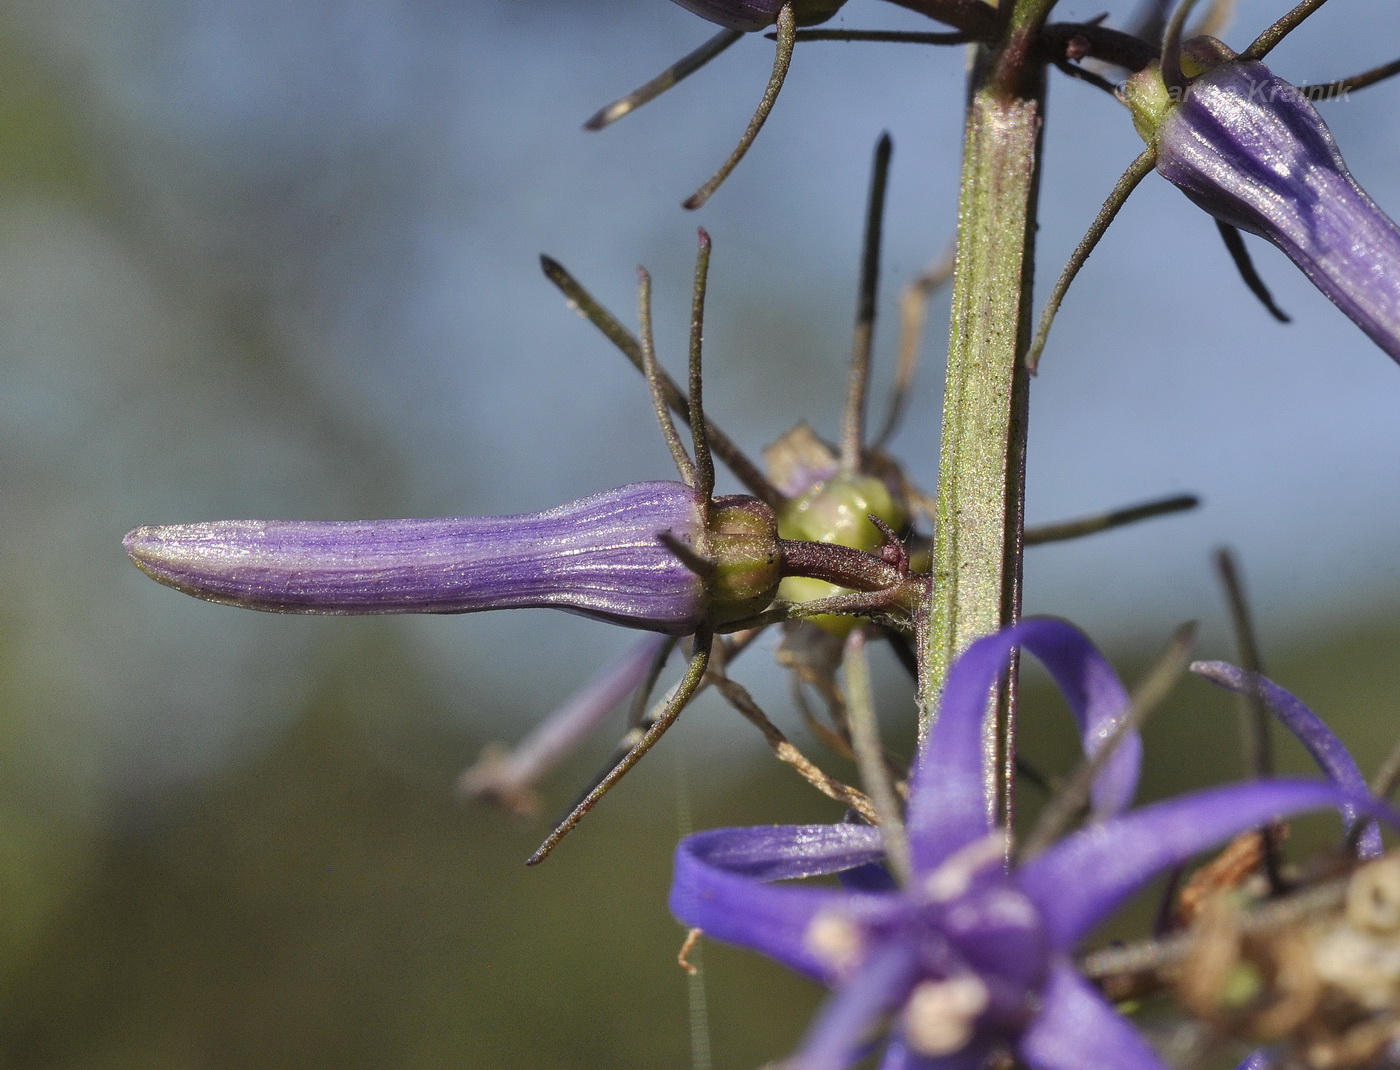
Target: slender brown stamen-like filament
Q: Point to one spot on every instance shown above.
(868, 292)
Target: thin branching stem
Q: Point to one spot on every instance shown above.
(1257, 743)
(723, 447)
(682, 68)
(1114, 518)
(680, 697)
(913, 314)
(1342, 86)
(1136, 172)
(870, 757)
(867, 298)
(782, 59)
(739, 697)
(893, 37)
(1254, 714)
(1265, 43)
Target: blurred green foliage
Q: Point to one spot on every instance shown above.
(330, 904)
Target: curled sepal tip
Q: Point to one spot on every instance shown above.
(602, 556)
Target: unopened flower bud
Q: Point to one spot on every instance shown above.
(751, 15)
(604, 556)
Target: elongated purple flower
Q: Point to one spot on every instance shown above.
(751, 15)
(973, 959)
(602, 556)
(1251, 150)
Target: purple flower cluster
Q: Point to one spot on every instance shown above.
(973, 958)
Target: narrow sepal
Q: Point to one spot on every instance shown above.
(1077, 1030)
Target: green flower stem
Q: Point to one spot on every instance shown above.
(981, 480)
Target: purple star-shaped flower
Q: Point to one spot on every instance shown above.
(974, 956)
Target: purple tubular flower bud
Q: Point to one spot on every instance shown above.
(751, 15)
(600, 556)
(746, 15)
(1252, 151)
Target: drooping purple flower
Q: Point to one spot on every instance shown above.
(603, 556)
(1251, 150)
(974, 957)
(751, 15)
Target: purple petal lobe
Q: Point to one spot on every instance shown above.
(1248, 148)
(899, 1057)
(599, 556)
(947, 806)
(718, 887)
(1321, 742)
(880, 985)
(1082, 879)
(509, 778)
(1077, 1030)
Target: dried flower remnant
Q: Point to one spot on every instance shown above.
(972, 958)
(1316, 978)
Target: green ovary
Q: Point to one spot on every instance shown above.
(837, 511)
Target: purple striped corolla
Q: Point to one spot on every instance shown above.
(751, 15)
(974, 957)
(1250, 149)
(604, 556)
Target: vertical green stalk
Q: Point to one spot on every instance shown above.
(981, 480)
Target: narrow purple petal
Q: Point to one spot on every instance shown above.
(1321, 742)
(509, 778)
(1082, 879)
(1260, 1059)
(1248, 148)
(1077, 1030)
(599, 556)
(948, 808)
(836, 1038)
(718, 886)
